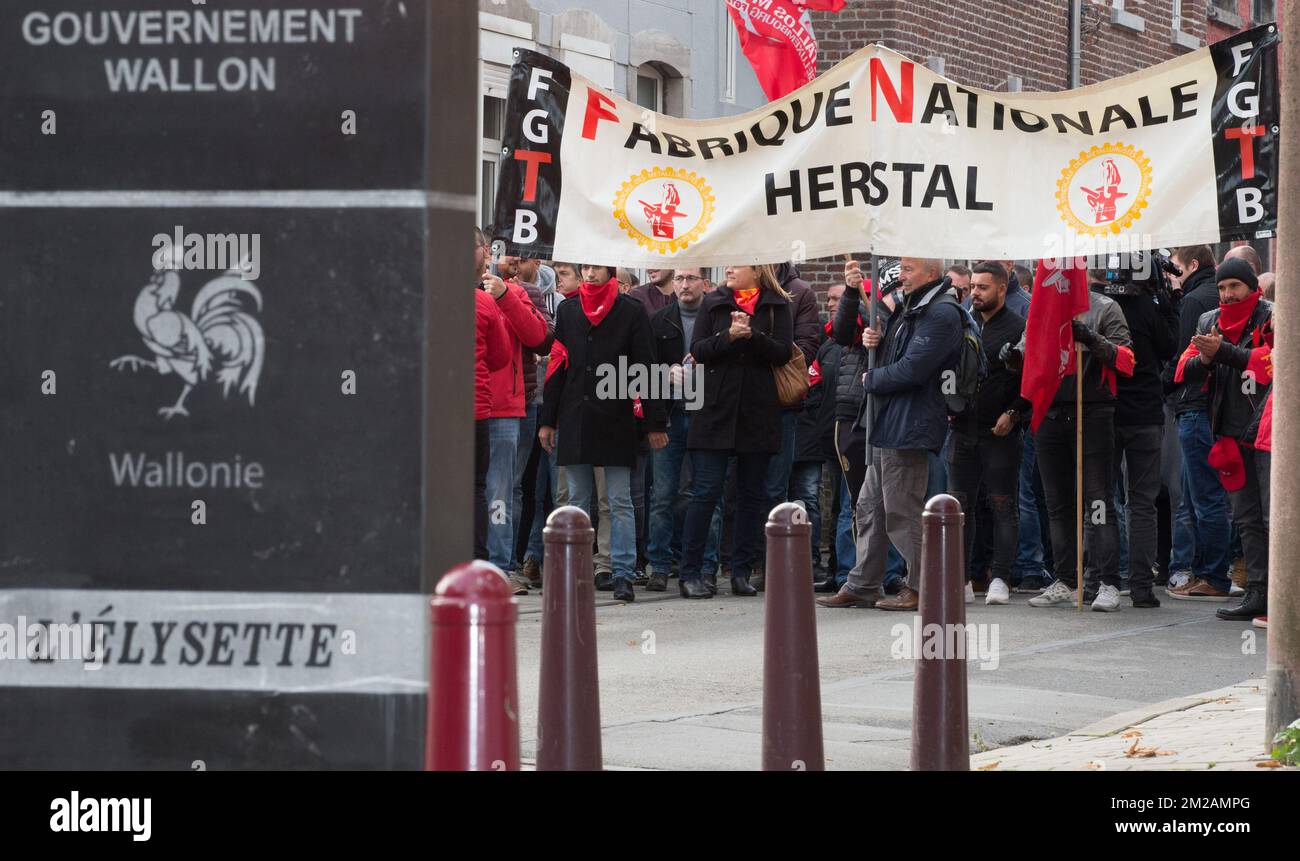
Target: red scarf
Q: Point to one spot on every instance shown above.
(1234, 317)
(598, 299)
(746, 299)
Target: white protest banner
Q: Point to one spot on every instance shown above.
(881, 154)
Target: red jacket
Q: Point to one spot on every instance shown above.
(491, 350)
(525, 329)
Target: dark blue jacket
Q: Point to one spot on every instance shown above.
(922, 339)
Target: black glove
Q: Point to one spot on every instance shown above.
(1009, 356)
(1082, 333)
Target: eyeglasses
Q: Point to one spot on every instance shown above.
(687, 278)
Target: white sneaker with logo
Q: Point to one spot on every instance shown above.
(1178, 579)
(1236, 591)
(1056, 594)
(970, 593)
(1107, 600)
(998, 592)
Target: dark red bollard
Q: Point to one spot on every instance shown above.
(568, 708)
(940, 737)
(473, 685)
(792, 697)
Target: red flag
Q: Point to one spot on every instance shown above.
(1059, 296)
(777, 37)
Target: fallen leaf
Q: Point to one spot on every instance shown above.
(631, 642)
(1131, 734)
(1092, 765)
(1134, 751)
(992, 765)
(1269, 763)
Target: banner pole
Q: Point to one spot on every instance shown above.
(1078, 474)
(871, 354)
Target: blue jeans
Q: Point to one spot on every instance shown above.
(527, 436)
(1207, 498)
(503, 446)
(664, 530)
(622, 515)
(709, 473)
(806, 489)
(779, 467)
(846, 550)
(1029, 554)
(546, 482)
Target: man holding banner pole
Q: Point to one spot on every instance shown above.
(1075, 344)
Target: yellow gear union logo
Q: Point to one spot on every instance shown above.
(1105, 189)
(664, 209)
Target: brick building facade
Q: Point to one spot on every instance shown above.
(1010, 45)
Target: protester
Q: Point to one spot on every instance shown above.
(1198, 566)
(656, 293)
(920, 340)
(1266, 284)
(1139, 431)
(959, 277)
(528, 330)
(983, 451)
(491, 353)
(1246, 253)
(597, 428)
(744, 331)
(672, 328)
(626, 280)
(1107, 353)
(815, 437)
(1231, 354)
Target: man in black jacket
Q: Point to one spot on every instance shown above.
(1139, 431)
(984, 446)
(1198, 565)
(1231, 357)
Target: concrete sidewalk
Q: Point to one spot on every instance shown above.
(1221, 730)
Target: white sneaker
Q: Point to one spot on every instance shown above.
(1235, 591)
(1057, 593)
(998, 592)
(1178, 579)
(970, 593)
(1107, 600)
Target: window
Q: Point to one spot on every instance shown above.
(1263, 11)
(650, 89)
(493, 121)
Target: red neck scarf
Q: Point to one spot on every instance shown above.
(598, 299)
(1234, 317)
(746, 299)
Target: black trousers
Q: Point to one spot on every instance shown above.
(482, 453)
(1056, 444)
(1250, 515)
(984, 462)
(1139, 447)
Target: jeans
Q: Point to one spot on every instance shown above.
(1206, 499)
(527, 439)
(503, 442)
(1029, 550)
(709, 473)
(622, 516)
(544, 488)
(982, 460)
(482, 454)
(1250, 515)
(889, 509)
(845, 549)
(664, 529)
(806, 489)
(1139, 447)
(779, 467)
(1056, 446)
(1177, 530)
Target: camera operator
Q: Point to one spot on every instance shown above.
(1149, 309)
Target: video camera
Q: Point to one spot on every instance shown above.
(1132, 274)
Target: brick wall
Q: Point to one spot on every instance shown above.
(982, 42)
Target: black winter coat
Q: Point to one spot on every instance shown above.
(741, 411)
(669, 335)
(594, 427)
(814, 435)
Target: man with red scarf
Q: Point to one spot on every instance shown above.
(1231, 356)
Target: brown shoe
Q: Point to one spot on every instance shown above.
(1198, 590)
(1238, 573)
(518, 584)
(845, 598)
(532, 572)
(906, 599)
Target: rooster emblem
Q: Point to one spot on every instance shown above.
(218, 341)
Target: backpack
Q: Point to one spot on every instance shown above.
(972, 367)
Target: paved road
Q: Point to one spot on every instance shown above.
(682, 686)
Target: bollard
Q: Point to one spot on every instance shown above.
(940, 740)
(792, 699)
(568, 708)
(473, 716)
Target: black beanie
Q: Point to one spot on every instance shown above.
(1239, 269)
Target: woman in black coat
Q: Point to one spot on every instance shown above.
(601, 340)
(744, 331)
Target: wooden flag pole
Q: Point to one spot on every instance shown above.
(1078, 473)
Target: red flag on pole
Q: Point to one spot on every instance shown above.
(777, 38)
(1059, 296)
